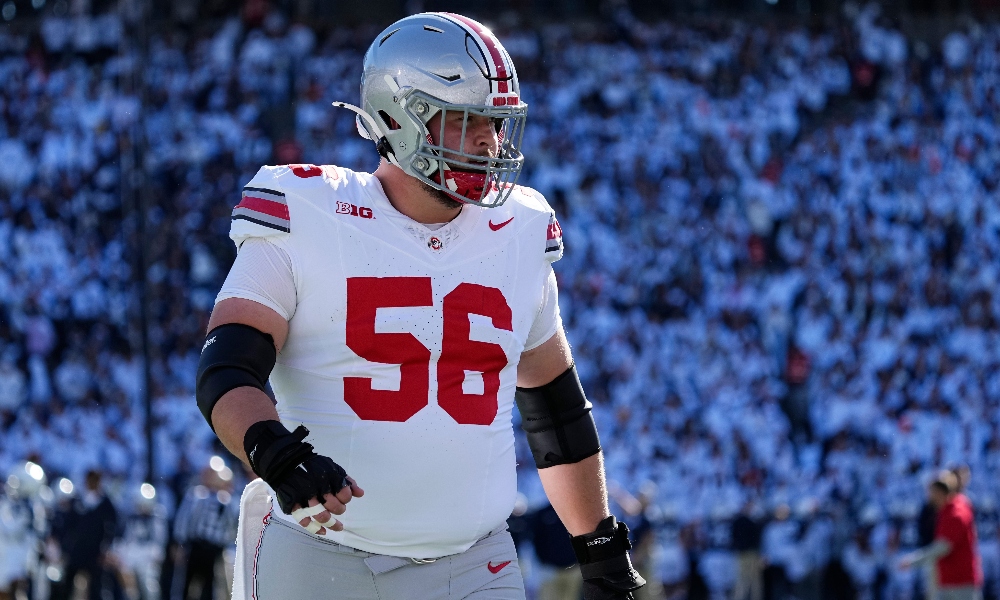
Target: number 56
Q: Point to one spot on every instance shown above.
(459, 353)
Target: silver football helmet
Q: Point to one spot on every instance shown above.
(435, 63)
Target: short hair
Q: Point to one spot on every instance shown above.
(945, 482)
(962, 473)
(940, 486)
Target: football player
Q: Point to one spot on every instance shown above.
(138, 554)
(398, 316)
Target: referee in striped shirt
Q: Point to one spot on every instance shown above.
(206, 523)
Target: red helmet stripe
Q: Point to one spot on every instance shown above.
(492, 47)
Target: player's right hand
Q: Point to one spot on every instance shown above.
(308, 486)
(310, 478)
(333, 504)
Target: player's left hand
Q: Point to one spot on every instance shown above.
(604, 562)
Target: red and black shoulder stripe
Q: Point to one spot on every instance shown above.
(553, 236)
(265, 207)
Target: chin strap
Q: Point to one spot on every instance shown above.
(465, 185)
(381, 144)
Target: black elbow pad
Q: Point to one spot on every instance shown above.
(234, 355)
(557, 419)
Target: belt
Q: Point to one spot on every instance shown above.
(380, 563)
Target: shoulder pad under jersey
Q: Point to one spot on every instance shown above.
(553, 234)
(263, 209)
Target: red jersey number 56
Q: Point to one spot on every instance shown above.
(459, 353)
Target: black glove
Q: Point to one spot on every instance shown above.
(604, 562)
(290, 466)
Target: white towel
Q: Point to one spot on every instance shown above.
(255, 512)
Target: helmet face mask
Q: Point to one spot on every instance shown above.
(470, 178)
(443, 64)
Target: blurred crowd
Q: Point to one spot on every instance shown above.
(104, 539)
(782, 245)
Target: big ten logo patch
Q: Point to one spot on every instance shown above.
(346, 208)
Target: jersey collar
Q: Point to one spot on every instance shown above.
(436, 242)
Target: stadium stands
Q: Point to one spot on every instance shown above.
(782, 251)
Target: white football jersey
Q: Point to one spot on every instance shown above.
(402, 351)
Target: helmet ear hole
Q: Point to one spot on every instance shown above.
(391, 123)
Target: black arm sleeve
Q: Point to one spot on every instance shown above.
(234, 355)
(557, 419)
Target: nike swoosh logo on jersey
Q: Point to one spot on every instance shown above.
(499, 226)
(496, 568)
